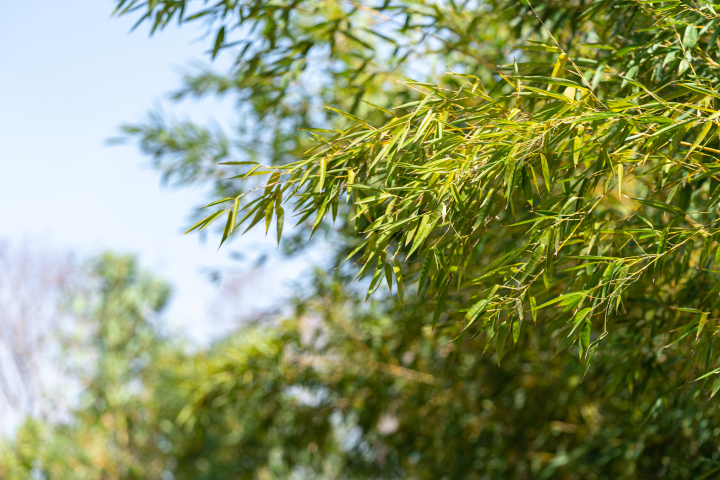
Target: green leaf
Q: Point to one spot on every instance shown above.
(399, 280)
(690, 38)
(701, 325)
(585, 338)
(348, 115)
(579, 321)
(591, 352)
(532, 263)
(219, 39)
(661, 206)
(577, 146)
(268, 216)
(540, 48)
(388, 276)
(280, 222)
(477, 309)
(516, 330)
(321, 181)
(714, 37)
(566, 298)
(545, 171)
(700, 137)
(217, 202)
(380, 108)
(228, 228)
(510, 174)
(715, 387)
(377, 278)
(440, 307)
(423, 231)
(550, 81)
(238, 163)
(533, 309)
(425, 271)
(206, 221)
(502, 335)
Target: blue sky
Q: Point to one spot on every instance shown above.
(70, 75)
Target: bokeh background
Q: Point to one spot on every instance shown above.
(73, 75)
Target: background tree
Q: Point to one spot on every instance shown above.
(108, 428)
(32, 287)
(354, 389)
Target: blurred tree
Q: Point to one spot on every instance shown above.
(106, 435)
(344, 388)
(31, 286)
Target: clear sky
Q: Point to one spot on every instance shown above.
(69, 75)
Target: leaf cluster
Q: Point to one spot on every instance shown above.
(579, 190)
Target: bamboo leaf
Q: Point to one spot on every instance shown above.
(280, 223)
(228, 228)
(399, 280)
(502, 335)
(321, 181)
(219, 40)
(440, 306)
(545, 171)
(425, 271)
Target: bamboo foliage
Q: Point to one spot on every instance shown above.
(582, 178)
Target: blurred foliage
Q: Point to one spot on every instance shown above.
(290, 59)
(343, 388)
(115, 309)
